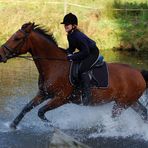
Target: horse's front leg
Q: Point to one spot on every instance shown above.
(33, 103)
(52, 104)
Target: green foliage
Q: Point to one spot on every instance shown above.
(120, 4)
(109, 27)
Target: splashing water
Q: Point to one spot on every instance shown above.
(95, 121)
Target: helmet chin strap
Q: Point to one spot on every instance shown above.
(73, 28)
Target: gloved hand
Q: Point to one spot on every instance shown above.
(68, 52)
(69, 57)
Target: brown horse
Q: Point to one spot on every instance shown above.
(126, 84)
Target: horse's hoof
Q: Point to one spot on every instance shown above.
(12, 126)
(145, 121)
(44, 119)
(50, 126)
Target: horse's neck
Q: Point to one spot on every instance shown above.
(42, 47)
(46, 53)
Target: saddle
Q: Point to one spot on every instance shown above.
(98, 74)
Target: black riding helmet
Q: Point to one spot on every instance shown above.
(70, 19)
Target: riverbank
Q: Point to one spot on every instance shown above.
(112, 25)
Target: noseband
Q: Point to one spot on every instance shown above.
(12, 52)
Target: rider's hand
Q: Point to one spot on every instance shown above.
(69, 57)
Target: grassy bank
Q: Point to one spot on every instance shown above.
(107, 25)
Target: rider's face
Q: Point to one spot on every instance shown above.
(68, 27)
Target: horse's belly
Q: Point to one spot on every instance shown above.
(100, 96)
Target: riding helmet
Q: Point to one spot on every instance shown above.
(70, 19)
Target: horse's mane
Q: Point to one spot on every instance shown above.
(45, 33)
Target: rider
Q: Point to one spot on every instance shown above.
(87, 53)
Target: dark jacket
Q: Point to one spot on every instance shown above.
(78, 40)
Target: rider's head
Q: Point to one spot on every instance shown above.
(70, 22)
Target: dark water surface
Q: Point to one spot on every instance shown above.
(91, 125)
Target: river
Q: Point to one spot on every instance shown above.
(90, 125)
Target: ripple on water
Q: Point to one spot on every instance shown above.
(81, 122)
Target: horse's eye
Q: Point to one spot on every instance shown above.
(16, 39)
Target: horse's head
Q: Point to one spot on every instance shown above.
(17, 43)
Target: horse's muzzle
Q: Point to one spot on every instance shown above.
(3, 59)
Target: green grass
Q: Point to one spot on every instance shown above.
(109, 28)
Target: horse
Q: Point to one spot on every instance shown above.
(126, 84)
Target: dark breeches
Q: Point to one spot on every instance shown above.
(86, 64)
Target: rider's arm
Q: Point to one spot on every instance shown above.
(83, 48)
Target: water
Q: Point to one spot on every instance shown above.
(91, 125)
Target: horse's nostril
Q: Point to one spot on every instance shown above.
(0, 58)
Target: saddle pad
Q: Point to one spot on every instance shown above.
(100, 76)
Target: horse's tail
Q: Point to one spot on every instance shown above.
(145, 76)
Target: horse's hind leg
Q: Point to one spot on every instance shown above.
(33, 103)
(117, 109)
(140, 109)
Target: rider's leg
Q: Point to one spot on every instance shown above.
(85, 66)
(86, 93)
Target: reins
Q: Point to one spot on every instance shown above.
(39, 58)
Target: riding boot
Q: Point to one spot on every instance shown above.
(86, 93)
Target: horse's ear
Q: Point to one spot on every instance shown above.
(30, 27)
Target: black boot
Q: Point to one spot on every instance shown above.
(86, 93)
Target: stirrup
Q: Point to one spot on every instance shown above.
(86, 100)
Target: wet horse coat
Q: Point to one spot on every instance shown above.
(126, 84)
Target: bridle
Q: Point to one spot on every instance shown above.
(13, 52)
